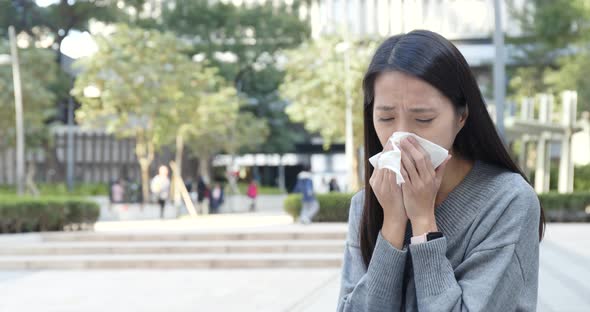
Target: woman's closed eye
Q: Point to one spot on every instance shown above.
(418, 120)
(425, 120)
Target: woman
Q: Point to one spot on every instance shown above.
(461, 237)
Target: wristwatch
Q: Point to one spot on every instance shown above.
(426, 237)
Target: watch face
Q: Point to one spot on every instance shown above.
(433, 235)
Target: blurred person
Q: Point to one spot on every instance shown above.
(334, 187)
(118, 191)
(216, 198)
(160, 187)
(202, 194)
(309, 204)
(252, 194)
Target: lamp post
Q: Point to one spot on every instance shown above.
(89, 92)
(18, 107)
(343, 47)
(499, 70)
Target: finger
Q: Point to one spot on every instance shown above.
(372, 178)
(409, 166)
(419, 158)
(405, 175)
(387, 179)
(379, 179)
(392, 179)
(426, 155)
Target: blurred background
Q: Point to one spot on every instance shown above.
(153, 152)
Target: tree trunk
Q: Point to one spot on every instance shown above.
(3, 169)
(145, 179)
(31, 187)
(204, 168)
(53, 169)
(144, 149)
(179, 152)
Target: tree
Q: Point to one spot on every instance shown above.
(135, 77)
(316, 90)
(554, 48)
(50, 25)
(47, 27)
(205, 110)
(39, 74)
(245, 43)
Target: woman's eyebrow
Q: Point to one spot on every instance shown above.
(422, 109)
(385, 108)
(413, 109)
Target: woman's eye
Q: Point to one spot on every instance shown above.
(425, 121)
(386, 119)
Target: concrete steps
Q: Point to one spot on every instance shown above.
(289, 246)
(196, 236)
(171, 261)
(173, 247)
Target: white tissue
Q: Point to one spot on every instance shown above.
(392, 159)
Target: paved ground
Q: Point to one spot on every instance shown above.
(227, 290)
(265, 204)
(564, 285)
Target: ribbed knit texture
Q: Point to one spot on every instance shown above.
(488, 259)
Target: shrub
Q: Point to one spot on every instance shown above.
(566, 207)
(27, 214)
(334, 207)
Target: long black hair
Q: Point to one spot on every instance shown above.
(432, 58)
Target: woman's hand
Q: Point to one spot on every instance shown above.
(421, 186)
(389, 194)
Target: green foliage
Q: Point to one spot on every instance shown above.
(577, 201)
(334, 207)
(61, 189)
(253, 33)
(139, 78)
(25, 214)
(135, 73)
(315, 85)
(39, 73)
(555, 48)
(582, 178)
(254, 37)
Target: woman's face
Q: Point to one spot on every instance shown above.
(405, 103)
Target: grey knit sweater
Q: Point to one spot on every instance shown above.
(488, 259)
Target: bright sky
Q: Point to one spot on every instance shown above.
(44, 3)
(76, 44)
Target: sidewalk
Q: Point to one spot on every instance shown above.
(564, 283)
(266, 205)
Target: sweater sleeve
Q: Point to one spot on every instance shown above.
(496, 275)
(378, 287)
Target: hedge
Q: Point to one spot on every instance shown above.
(30, 214)
(566, 207)
(61, 189)
(334, 207)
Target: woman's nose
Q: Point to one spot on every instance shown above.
(401, 127)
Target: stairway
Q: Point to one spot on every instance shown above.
(287, 246)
